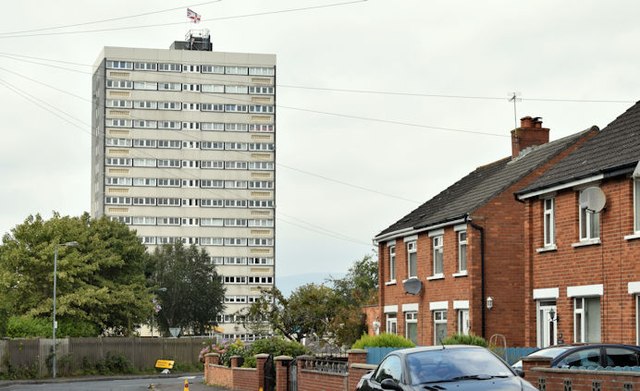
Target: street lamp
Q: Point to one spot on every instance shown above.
(55, 272)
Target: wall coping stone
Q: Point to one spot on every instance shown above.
(356, 351)
(212, 355)
(262, 355)
(283, 358)
(363, 366)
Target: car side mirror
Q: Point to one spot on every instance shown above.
(519, 372)
(390, 384)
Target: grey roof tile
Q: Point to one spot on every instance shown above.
(479, 187)
(616, 147)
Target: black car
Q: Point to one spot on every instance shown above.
(459, 367)
(592, 355)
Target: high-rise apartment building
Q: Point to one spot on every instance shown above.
(183, 148)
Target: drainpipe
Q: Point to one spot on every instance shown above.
(482, 282)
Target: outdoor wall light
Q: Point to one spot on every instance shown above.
(489, 302)
(553, 316)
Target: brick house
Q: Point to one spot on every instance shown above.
(582, 261)
(455, 264)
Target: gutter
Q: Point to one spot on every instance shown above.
(480, 229)
(412, 231)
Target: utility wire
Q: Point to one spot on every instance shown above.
(179, 23)
(348, 184)
(108, 20)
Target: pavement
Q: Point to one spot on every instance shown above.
(194, 385)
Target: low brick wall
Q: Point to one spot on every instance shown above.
(239, 379)
(309, 377)
(540, 375)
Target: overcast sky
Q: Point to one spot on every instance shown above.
(429, 85)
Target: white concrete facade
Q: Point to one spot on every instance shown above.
(184, 149)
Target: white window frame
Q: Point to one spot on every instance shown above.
(410, 317)
(438, 255)
(584, 319)
(463, 256)
(392, 323)
(439, 318)
(636, 205)
(590, 223)
(412, 251)
(464, 326)
(392, 263)
(549, 221)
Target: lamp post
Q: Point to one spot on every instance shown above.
(55, 272)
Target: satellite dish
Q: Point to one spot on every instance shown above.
(412, 286)
(593, 199)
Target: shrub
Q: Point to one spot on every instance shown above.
(25, 326)
(225, 349)
(275, 346)
(459, 339)
(384, 340)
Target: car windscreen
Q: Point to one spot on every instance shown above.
(446, 364)
(551, 352)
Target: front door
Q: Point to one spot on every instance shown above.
(547, 323)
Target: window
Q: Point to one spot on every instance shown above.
(145, 85)
(438, 253)
(211, 107)
(118, 103)
(212, 164)
(117, 161)
(412, 259)
(439, 326)
(462, 251)
(172, 144)
(260, 165)
(111, 64)
(261, 146)
(215, 88)
(140, 220)
(118, 123)
(169, 67)
(169, 163)
(120, 84)
(589, 224)
(211, 203)
(411, 326)
(235, 261)
(235, 203)
(235, 146)
(117, 181)
(390, 368)
(212, 69)
(142, 162)
(549, 222)
(463, 321)
(261, 109)
(236, 70)
(145, 104)
(147, 124)
(259, 90)
(260, 261)
(235, 108)
(392, 263)
(169, 86)
(231, 127)
(145, 66)
(175, 125)
(118, 142)
(211, 222)
(144, 143)
(254, 242)
(236, 89)
(636, 204)
(144, 181)
(168, 182)
(212, 126)
(581, 358)
(260, 127)
(261, 71)
(260, 185)
(260, 204)
(235, 222)
(234, 165)
(169, 106)
(392, 323)
(586, 315)
(144, 201)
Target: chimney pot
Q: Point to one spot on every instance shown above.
(529, 134)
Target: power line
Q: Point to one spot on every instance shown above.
(348, 184)
(392, 122)
(289, 10)
(108, 20)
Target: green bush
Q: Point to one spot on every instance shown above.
(26, 326)
(459, 339)
(384, 340)
(275, 346)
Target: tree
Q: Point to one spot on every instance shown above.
(307, 312)
(101, 282)
(358, 288)
(189, 290)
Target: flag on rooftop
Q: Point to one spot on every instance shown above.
(194, 16)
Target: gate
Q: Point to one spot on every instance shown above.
(269, 374)
(293, 376)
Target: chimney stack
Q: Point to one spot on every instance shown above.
(529, 134)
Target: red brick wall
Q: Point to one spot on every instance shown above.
(219, 375)
(613, 263)
(503, 219)
(245, 379)
(318, 381)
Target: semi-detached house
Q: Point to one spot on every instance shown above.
(456, 263)
(582, 242)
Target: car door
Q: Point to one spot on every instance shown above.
(390, 368)
(620, 356)
(581, 357)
